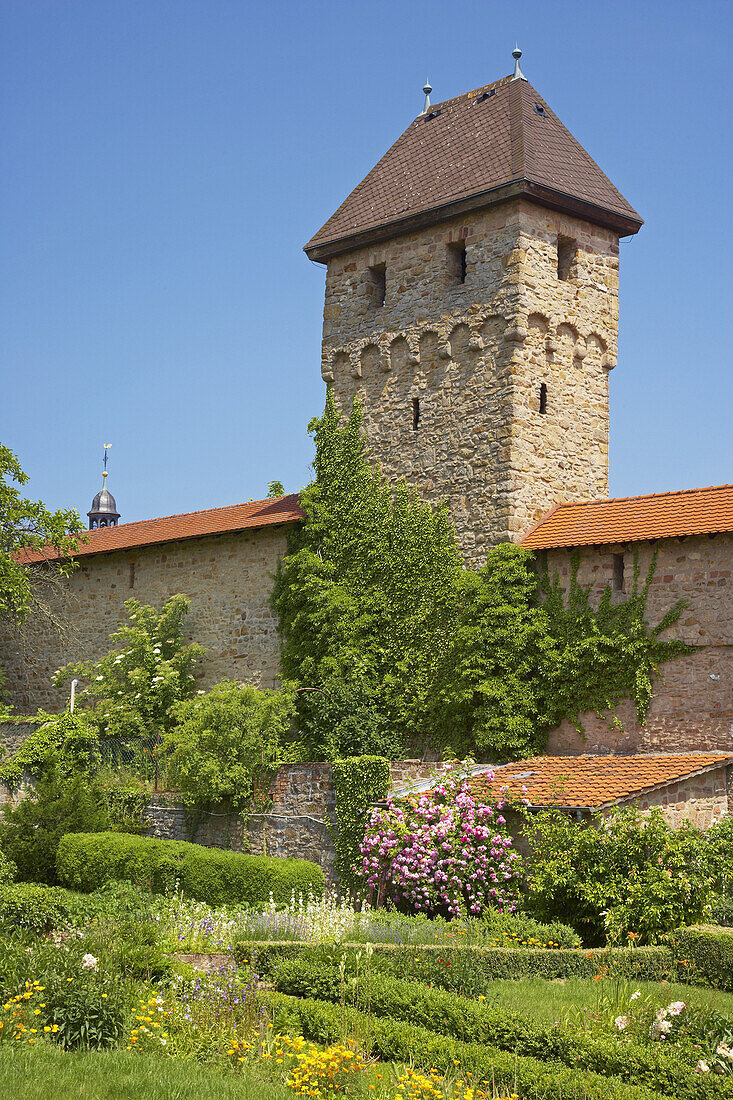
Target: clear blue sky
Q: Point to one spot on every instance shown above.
(164, 161)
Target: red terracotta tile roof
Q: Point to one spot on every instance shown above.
(189, 525)
(476, 144)
(630, 519)
(595, 781)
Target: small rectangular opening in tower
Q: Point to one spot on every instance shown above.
(543, 398)
(415, 413)
(457, 261)
(132, 574)
(618, 572)
(567, 250)
(378, 285)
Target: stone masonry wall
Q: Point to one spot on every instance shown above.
(228, 578)
(700, 800)
(474, 355)
(692, 706)
(300, 823)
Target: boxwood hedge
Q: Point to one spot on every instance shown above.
(468, 969)
(396, 1041)
(85, 861)
(706, 951)
(471, 1021)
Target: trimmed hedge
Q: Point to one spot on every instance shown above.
(396, 1041)
(472, 1022)
(86, 861)
(468, 969)
(706, 950)
(32, 906)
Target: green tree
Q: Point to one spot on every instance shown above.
(132, 691)
(367, 597)
(626, 873)
(29, 525)
(223, 739)
(60, 803)
(275, 489)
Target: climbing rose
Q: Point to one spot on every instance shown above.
(441, 851)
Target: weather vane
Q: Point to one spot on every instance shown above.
(106, 448)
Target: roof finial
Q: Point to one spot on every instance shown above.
(518, 74)
(427, 90)
(104, 472)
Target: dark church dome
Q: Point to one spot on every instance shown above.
(103, 512)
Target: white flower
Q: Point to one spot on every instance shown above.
(676, 1007)
(703, 1066)
(89, 963)
(665, 1026)
(621, 1022)
(635, 996)
(100, 677)
(724, 1051)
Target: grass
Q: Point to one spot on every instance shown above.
(549, 1001)
(47, 1073)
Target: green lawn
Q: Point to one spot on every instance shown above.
(46, 1073)
(552, 1000)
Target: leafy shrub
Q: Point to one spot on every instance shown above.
(32, 907)
(468, 970)
(441, 851)
(360, 781)
(8, 869)
(397, 1041)
(132, 691)
(707, 952)
(473, 1022)
(87, 860)
(88, 1013)
(626, 874)
(223, 739)
(65, 742)
(60, 804)
(125, 798)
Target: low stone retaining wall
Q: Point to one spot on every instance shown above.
(299, 823)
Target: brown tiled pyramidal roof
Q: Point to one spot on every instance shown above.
(189, 525)
(630, 519)
(480, 148)
(594, 782)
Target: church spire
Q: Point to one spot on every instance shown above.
(103, 512)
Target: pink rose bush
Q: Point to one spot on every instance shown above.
(441, 851)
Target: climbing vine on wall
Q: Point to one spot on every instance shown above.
(359, 781)
(395, 638)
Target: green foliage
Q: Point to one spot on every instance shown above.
(32, 907)
(61, 803)
(489, 686)
(474, 1022)
(275, 489)
(605, 653)
(399, 1041)
(222, 740)
(124, 799)
(708, 954)
(359, 781)
(133, 690)
(214, 875)
(28, 525)
(470, 970)
(366, 598)
(90, 1014)
(626, 874)
(8, 870)
(388, 636)
(67, 742)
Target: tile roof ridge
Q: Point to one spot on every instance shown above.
(621, 500)
(502, 81)
(207, 511)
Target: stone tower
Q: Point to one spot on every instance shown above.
(472, 303)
